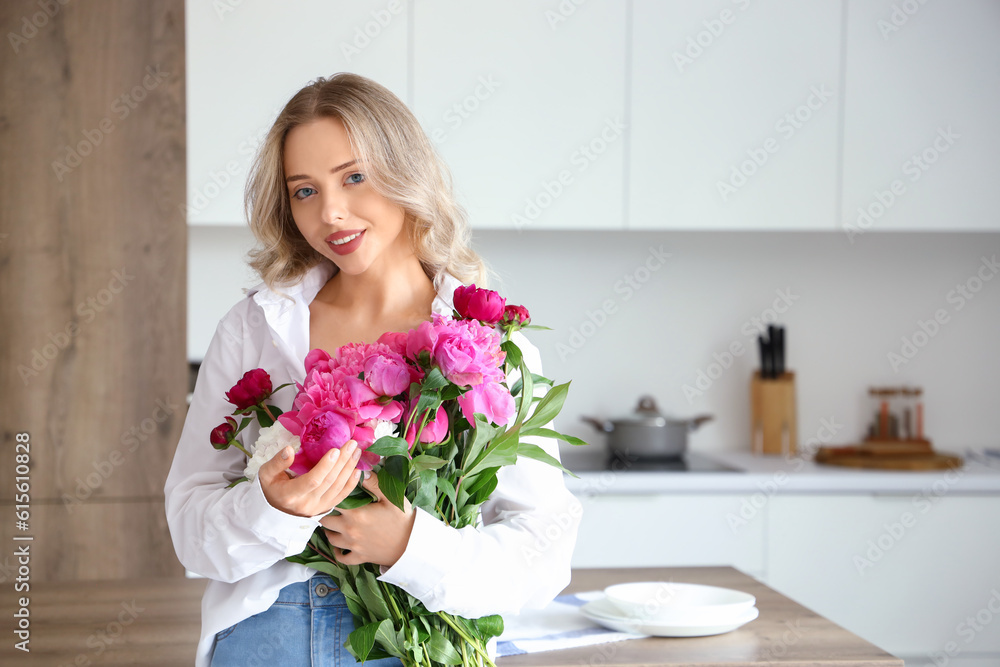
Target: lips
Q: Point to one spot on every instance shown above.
(356, 236)
(336, 236)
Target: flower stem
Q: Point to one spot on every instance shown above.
(240, 447)
(264, 405)
(478, 649)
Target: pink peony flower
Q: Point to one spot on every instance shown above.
(434, 431)
(253, 387)
(387, 374)
(320, 431)
(395, 341)
(491, 399)
(467, 352)
(476, 303)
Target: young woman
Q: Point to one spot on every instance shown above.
(358, 234)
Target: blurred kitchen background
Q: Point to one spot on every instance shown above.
(653, 180)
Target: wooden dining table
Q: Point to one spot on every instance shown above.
(154, 622)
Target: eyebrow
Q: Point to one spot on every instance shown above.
(303, 177)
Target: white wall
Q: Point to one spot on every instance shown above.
(853, 304)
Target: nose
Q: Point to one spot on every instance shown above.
(334, 207)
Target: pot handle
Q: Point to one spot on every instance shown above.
(698, 421)
(599, 424)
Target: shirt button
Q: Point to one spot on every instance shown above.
(322, 590)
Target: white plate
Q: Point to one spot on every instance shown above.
(670, 603)
(602, 611)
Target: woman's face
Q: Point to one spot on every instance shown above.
(332, 200)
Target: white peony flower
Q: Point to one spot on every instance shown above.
(383, 427)
(271, 441)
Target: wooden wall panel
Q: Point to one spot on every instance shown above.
(93, 269)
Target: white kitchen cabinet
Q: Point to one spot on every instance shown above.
(667, 530)
(525, 101)
(734, 108)
(917, 574)
(246, 59)
(922, 98)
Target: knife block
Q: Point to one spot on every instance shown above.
(773, 428)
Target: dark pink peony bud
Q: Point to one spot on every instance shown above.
(253, 388)
(518, 314)
(474, 303)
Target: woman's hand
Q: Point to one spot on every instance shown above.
(374, 533)
(317, 491)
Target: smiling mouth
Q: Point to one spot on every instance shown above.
(346, 239)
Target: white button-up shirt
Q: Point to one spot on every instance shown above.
(518, 558)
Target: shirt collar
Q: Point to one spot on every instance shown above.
(281, 312)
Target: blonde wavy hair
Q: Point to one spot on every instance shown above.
(398, 161)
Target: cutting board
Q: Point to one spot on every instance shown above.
(914, 456)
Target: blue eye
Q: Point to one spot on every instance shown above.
(296, 195)
(360, 176)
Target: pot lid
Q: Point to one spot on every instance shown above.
(645, 414)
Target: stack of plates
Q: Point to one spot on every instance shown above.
(667, 609)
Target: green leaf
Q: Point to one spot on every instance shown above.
(539, 454)
(441, 650)
(354, 502)
(446, 487)
(489, 626)
(434, 380)
(363, 639)
(549, 433)
(390, 445)
(513, 353)
(386, 636)
(262, 417)
(479, 495)
(502, 452)
(549, 406)
(477, 440)
(392, 479)
(426, 496)
(527, 395)
(371, 595)
(426, 462)
(535, 378)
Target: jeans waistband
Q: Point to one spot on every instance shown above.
(320, 590)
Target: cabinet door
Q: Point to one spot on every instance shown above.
(667, 530)
(525, 101)
(904, 572)
(920, 117)
(734, 108)
(245, 60)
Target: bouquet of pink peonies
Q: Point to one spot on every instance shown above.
(430, 410)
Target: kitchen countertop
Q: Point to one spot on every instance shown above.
(70, 625)
(980, 475)
(785, 633)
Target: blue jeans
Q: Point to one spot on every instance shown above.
(305, 627)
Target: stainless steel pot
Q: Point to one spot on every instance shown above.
(647, 433)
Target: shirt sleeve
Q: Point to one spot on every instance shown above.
(519, 558)
(221, 533)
